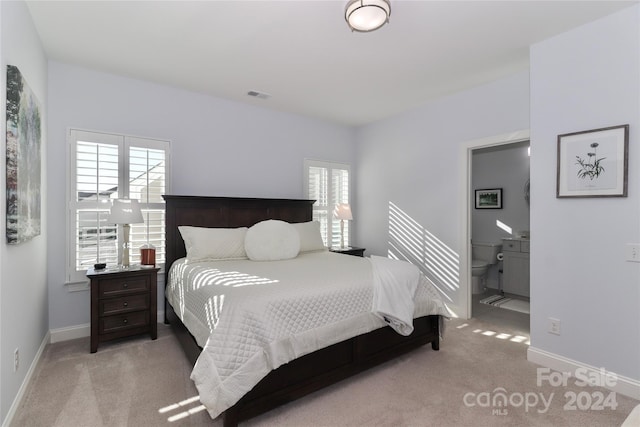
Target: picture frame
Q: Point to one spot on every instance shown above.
(489, 198)
(23, 159)
(593, 163)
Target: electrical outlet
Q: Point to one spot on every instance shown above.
(554, 326)
(16, 360)
(633, 252)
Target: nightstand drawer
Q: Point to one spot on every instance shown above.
(124, 321)
(120, 286)
(123, 304)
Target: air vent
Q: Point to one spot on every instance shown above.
(257, 94)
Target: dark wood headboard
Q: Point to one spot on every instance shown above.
(225, 212)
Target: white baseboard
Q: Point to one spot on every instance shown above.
(623, 385)
(25, 383)
(70, 333)
(82, 331)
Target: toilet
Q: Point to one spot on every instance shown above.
(483, 256)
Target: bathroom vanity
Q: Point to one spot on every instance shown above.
(515, 279)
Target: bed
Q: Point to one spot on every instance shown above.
(309, 372)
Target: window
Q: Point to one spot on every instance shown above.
(327, 184)
(104, 167)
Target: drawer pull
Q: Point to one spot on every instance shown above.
(125, 321)
(124, 285)
(125, 304)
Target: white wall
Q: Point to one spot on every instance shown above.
(23, 288)
(585, 79)
(412, 162)
(219, 148)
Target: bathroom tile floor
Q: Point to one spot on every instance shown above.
(499, 316)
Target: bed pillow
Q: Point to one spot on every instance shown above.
(272, 240)
(310, 237)
(205, 244)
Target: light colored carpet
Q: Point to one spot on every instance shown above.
(139, 382)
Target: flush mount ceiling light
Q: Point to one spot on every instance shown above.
(367, 15)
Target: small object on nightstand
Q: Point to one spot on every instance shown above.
(99, 266)
(349, 250)
(147, 256)
(123, 303)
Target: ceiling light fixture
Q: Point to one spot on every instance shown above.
(367, 15)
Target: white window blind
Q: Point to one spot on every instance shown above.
(105, 167)
(328, 184)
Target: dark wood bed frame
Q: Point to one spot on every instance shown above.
(305, 374)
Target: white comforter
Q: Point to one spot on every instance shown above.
(251, 317)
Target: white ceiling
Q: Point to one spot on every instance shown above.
(302, 52)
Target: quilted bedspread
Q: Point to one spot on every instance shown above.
(251, 317)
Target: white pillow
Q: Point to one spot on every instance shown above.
(205, 244)
(272, 240)
(310, 237)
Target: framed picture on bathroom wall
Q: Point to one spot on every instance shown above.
(490, 198)
(593, 163)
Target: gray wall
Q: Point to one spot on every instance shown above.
(23, 285)
(585, 79)
(408, 174)
(218, 148)
(505, 167)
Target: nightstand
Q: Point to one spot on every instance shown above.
(123, 303)
(348, 250)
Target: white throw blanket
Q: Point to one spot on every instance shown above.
(394, 287)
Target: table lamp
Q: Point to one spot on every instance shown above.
(342, 212)
(125, 212)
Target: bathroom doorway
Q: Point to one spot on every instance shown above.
(500, 234)
(501, 223)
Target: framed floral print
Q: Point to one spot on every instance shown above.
(593, 163)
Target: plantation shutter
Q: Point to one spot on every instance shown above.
(147, 184)
(97, 177)
(318, 184)
(328, 184)
(107, 167)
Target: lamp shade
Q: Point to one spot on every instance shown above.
(343, 211)
(125, 211)
(367, 15)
